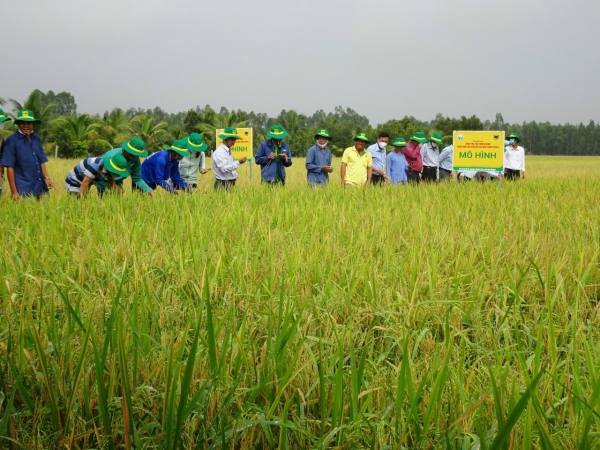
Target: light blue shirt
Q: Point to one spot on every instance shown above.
(378, 156)
(397, 167)
(315, 159)
(446, 158)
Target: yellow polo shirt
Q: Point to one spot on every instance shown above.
(356, 166)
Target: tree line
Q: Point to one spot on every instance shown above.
(77, 135)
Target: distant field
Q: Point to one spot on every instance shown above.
(401, 317)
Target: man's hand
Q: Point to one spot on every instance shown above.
(16, 197)
(151, 193)
(271, 156)
(205, 170)
(176, 192)
(50, 183)
(327, 169)
(283, 156)
(243, 159)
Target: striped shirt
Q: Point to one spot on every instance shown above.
(90, 167)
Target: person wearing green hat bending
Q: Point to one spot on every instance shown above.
(189, 166)
(396, 166)
(224, 166)
(430, 152)
(412, 152)
(131, 150)
(163, 166)
(357, 163)
(3, 118)
(318, 160)
(514, 158)
(25, 160)
(91, 170)
(273, 156)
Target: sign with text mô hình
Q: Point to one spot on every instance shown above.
(478, 150)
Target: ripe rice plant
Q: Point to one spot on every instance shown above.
(295, 318)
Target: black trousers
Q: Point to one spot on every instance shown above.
(429, 174)
(512, 174)
(224, 184)
(377, 179)
(413, 177)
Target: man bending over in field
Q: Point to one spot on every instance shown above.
(163, 166)
(131, 151)
(91, 170)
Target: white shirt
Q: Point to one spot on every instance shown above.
(223, 163)
(431, 154)
(514, 159)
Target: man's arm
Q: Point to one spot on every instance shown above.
(262, 155)
(10, 172)
(343, 173)
(47, 179)
(287, 161)
(221, 161)
(176, 177)
(136, 177)
(85, 186)
(369, 175)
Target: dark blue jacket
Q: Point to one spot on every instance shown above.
(268, 167)
(158, 168)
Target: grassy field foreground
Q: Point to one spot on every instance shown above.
(413, 317)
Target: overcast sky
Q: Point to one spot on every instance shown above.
(528, 59)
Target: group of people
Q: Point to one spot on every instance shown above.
(175, 169)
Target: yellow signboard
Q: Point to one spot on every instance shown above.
(478, 150)
(243, 146)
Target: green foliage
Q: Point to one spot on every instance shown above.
(159, 127)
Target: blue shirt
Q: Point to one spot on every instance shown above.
(377, 155)
(315, 159)
(26, 158)
(397, 168)
(270, 167)
(446, 158)
(159, 167)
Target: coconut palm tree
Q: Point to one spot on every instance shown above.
(154, 135)
(175, 132)
(113, 128)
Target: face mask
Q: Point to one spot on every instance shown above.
(511, 142)
(321, 145)
(382, 144)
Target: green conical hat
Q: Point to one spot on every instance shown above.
(515, 135)
(362, 137)
(399, 142)
(26, 115)
(277, 132)
(419, 137)
(3, 117)
(135, 146)
(195, 142)
(117, 165)
(229, 132)
(437, 138)
(323, 132)
(179, 147)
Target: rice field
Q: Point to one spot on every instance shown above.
(293, 318)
